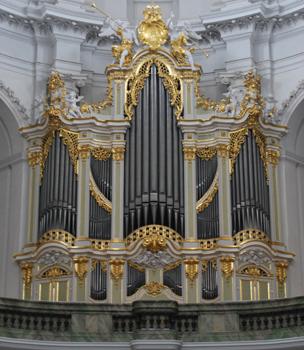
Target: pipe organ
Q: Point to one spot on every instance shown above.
(155, 192)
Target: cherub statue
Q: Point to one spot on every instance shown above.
(180, 46)
(72, 100)
(235, 95)
(123, 52)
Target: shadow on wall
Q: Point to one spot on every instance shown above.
(13, 185)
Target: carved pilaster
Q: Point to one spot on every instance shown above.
(227, 267)
(191, 282)
(117, 290)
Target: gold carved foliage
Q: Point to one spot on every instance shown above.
(152, 31)
(273, 157)
(191, 268)
(34, 158)
(154, 288)
(237, 138)
(54, 273)
(117, 269)
(101, 153)
(254, 271)
(137, 80)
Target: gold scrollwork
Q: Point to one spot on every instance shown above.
(81, 267)
(227, 265)
(223, 150)
(208, 197)
(99, 106)
(84, 151)
(154, 288)
(99, 197)
(70, 139)
(281, 271)
(254, 271)
(191, 268)
(136, 82)
(54, 272)
(206, 153)
(117, 269)
(237, 138)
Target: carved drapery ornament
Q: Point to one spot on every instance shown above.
(117, 269)
(227, 266)
(27, 273)
(191, 268)
(281, 271)
(81, 267)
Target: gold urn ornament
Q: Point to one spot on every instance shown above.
(152, 31)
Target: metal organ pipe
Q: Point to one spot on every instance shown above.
(208, 219)
(249, 189)
(58, 191)
(154, 173)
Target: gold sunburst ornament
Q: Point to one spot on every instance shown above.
(152, 31)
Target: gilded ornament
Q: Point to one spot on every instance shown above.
(155, 242)
(250, 235)
(56, 93)
(237, 138)
(189, 152)
(273, 157)
(81, 267)
(34, 158)
(154, 288)
(149, 230)
(118, 153)
(208, 197)
(208, 244)
(206, 153)
(84, 151)
(103, 265)
(281, 271)
(191, 268)
(223, 150)
(70, 139)
(99, 106)
(57, 236)
(204, 265)
(54, 273)
(101, 153)
(227, 265)
(136, 81)
(100, 244)
(152, 31)
(125, 45)
(117, 269)
(254, 271)
(179, 46)
(101, 200)
(27, 273)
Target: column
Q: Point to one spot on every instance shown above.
(83, 191)
(34, 159)
(117, 190)
(192, 280)
(273, 156)
(190, 190)
(224, 189)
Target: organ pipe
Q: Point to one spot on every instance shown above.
(173, 280)
(58, 191)
(99, 282)
(154, 172)
(209, 281)
(135, 280)
(250, 190)
(208, 219)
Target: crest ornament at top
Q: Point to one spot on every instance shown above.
(152, 31)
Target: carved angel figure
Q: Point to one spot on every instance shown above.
(235, 94)
(72, 100)
(123, 52)
(180, 46)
